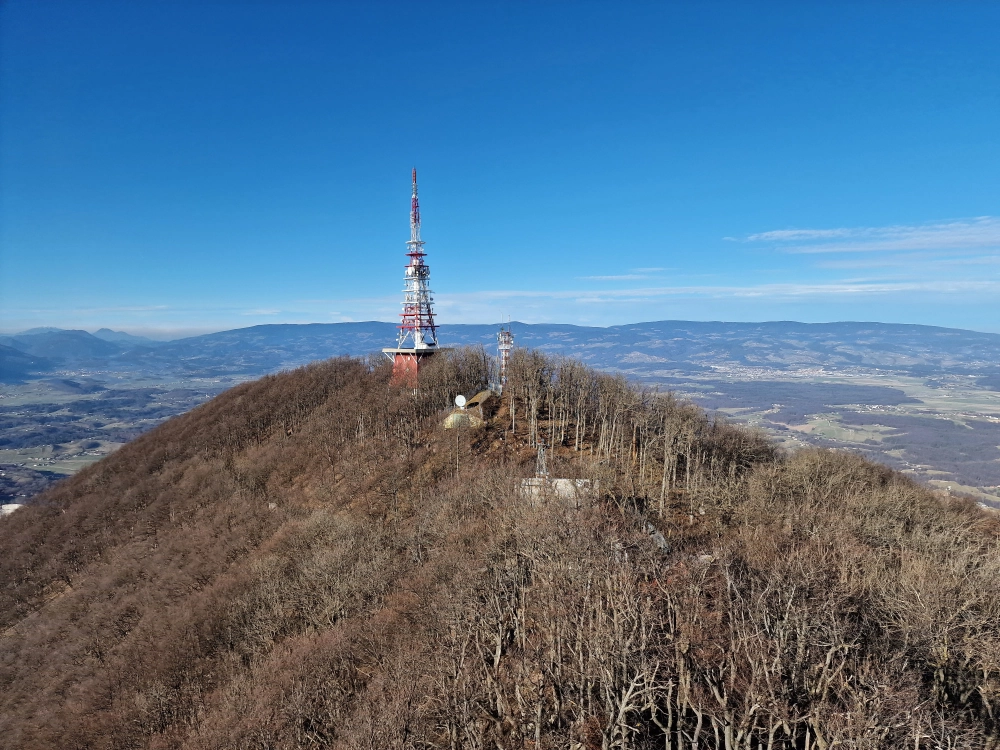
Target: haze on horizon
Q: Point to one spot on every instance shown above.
(168, 169)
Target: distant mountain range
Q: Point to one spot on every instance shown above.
(921, 398)
(662, 349)
(125, 338)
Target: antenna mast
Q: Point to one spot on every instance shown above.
(417, 319)
(505, 343)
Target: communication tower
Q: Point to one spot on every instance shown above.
(505, 343)
(417, 337)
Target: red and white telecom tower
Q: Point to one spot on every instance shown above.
(417, 331)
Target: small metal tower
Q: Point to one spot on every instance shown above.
(417, 330)
(505, 343)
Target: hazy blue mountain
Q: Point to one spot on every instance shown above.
(120, 337)
(660, 349)
(40, 329)
(16, 366)
(667, 346)
(265, 348)
(63, 345)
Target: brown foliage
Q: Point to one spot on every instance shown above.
(310, 560)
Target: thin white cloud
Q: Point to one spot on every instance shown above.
(634, 274)
(785, 235)
(127, 308)
(619, 277)
(961, 235)
(911, 261)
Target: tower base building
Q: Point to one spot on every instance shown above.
(406, 363)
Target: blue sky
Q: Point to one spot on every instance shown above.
(175, 167)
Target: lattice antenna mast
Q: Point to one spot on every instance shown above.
(417, 319)
(505, 343)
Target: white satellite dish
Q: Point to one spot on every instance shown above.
(460, 401)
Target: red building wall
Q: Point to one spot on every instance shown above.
(405, 368)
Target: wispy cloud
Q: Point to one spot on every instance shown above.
(785, 235)
(923, 261)
(634, 274)
(619, 277)
(961, 235)
(123, 309)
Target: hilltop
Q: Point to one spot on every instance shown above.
(311, 560)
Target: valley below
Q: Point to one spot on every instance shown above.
(945, 431)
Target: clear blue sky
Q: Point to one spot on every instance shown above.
(178, 166)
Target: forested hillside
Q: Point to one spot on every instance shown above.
(311, 560)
